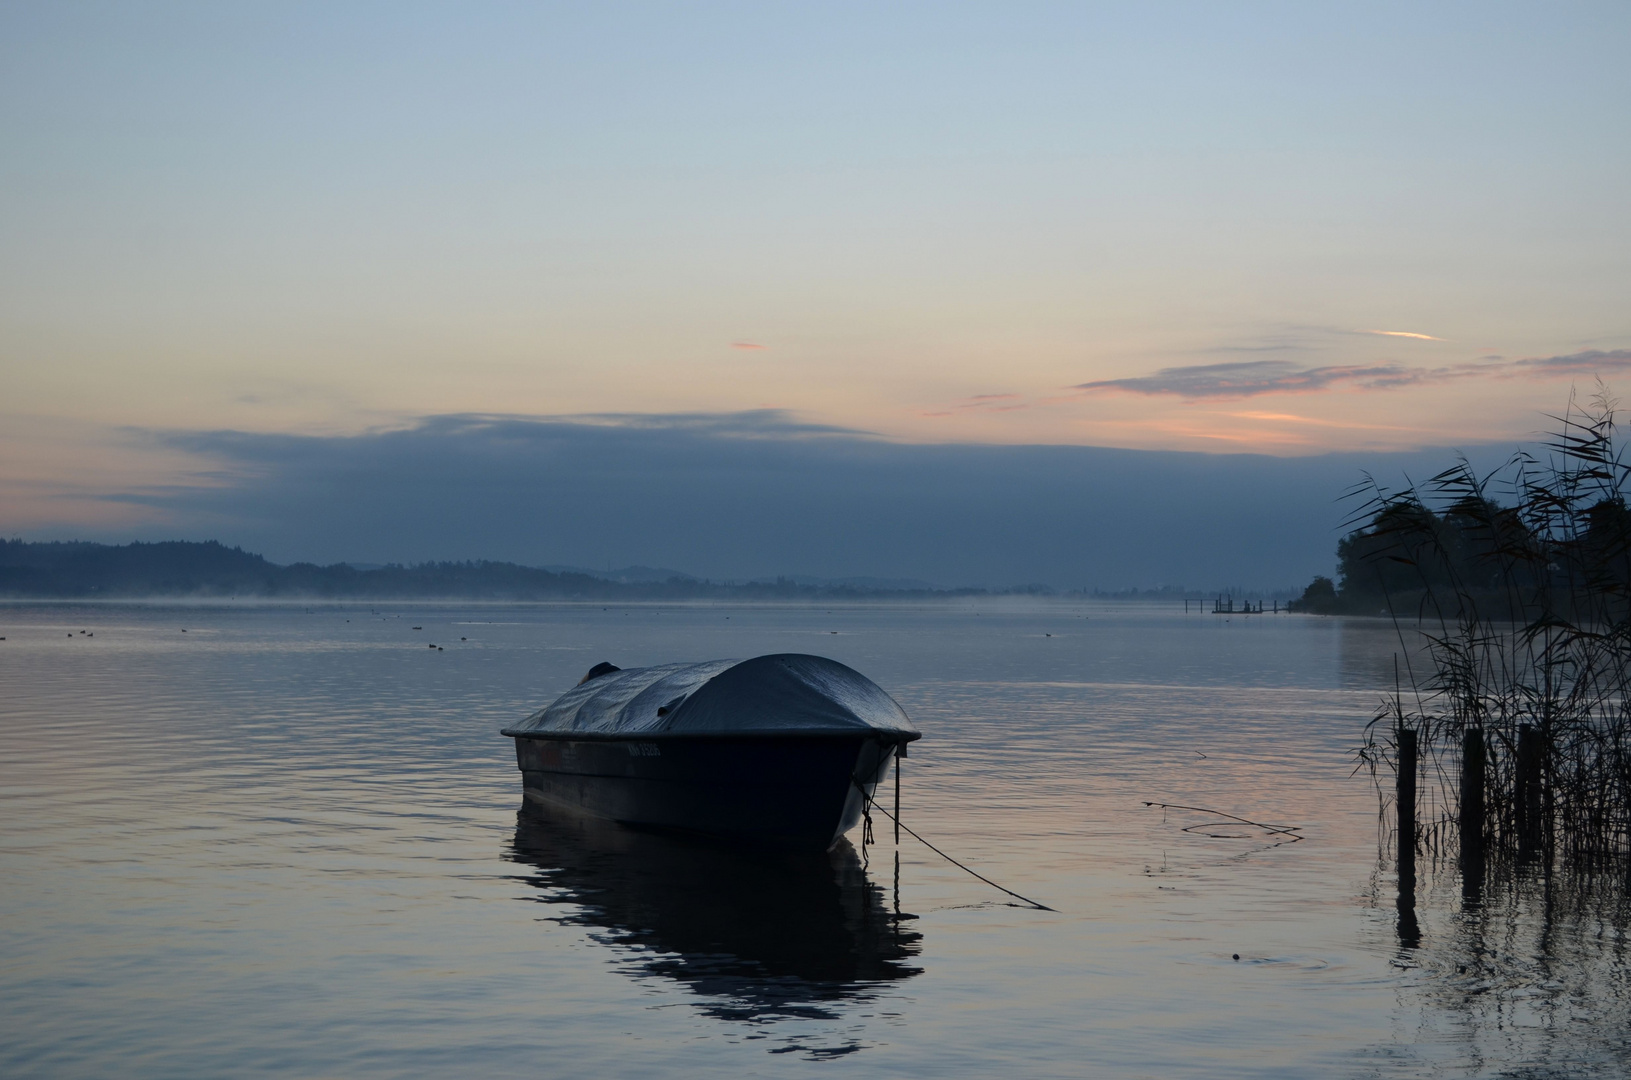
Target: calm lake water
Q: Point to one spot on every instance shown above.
(288, 841)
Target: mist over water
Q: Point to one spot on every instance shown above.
(289, 841)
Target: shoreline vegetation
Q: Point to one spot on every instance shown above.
(1450, 548)
(1512, 597)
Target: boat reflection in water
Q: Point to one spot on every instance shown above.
(759, 935)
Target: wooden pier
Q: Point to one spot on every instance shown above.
(1225, 605)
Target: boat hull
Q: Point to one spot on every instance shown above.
(776, 790)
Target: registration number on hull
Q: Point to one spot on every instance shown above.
(644, 749)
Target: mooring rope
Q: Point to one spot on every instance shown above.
(872, 803)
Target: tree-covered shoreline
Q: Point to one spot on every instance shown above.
(1475, 553)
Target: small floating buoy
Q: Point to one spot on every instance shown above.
(439, 648)
(464, 639)
(1237, 956)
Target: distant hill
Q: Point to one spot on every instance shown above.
(635, 575)
(874, 584)
(628, 575)
(177, 568)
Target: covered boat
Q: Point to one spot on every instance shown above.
(776, 749)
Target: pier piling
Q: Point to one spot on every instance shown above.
(1405, 802)
(1472, 815)
(1528, 808)
(1405, 797)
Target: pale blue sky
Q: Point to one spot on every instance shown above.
(937, 222)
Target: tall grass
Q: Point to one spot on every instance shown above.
(1512, 596)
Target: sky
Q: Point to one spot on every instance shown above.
(1262, 232)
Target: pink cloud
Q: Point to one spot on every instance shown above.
(1403, 334)
(992, 403)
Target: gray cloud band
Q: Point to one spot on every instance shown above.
(1255, 377)
(742, 495)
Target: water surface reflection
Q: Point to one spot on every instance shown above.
(758, 936)
(1528, 970)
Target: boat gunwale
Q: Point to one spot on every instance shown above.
(879, 734)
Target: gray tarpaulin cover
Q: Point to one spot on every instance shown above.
(782, 693)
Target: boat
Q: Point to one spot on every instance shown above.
(782, 750)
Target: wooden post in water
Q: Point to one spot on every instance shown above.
(900, 752)
(1405, 802)
(1405, 797)
(1472, 815)
(1528, 810)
